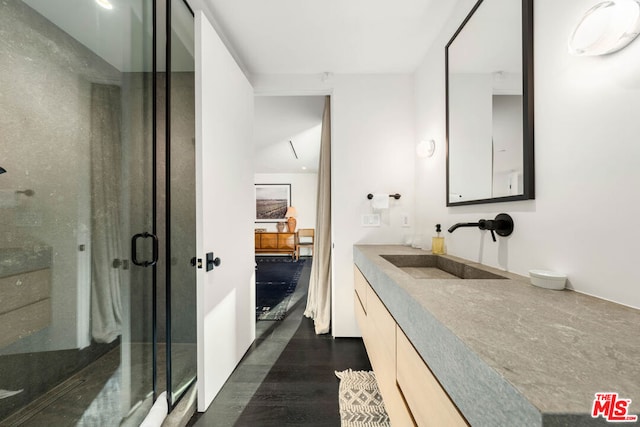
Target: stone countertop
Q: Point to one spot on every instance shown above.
(507, 352)
(17, 260)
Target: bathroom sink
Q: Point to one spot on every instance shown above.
(436, 267)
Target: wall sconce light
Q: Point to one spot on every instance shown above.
(425, 148)
(606, 28)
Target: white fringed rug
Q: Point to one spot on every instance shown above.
(360, 400)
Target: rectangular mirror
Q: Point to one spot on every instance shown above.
(489, 95)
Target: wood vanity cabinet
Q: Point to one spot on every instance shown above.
(378, 333)
(25, 304)
(412, 395)
(267, 242)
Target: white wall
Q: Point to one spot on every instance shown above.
(225, 207)
(507, 144)
(582, 221)
(304, 190)
(470, 101)
(373, 150)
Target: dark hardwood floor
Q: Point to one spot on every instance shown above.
(287, 376)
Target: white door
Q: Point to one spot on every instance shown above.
(225, 211)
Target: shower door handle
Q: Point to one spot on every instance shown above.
(134, 249)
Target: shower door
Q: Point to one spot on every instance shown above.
(97, 209)
(181, 201)
(163, 238)
(170, 246)
(76, 313)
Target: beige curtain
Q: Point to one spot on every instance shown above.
(106, 305)
(319, 296)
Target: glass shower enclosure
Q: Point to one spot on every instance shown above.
(97, 209)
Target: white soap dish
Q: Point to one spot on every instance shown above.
(548, 279)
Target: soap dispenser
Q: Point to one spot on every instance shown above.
(437, 242)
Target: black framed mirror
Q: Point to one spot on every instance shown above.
(489, 105)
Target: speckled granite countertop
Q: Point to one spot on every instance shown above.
(509, 353)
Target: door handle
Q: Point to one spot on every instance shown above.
(134, 249)
(211, 261)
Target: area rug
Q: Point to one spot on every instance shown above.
(360, 400)
(276, 279)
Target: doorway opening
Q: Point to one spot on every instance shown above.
(287, 140)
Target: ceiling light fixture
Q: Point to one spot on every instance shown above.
(105, 4)
(606, 28)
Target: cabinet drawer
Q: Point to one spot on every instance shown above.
(24, 289)
(269, 241)
(381, 346)
(361, 315)
(24, 321)
(429, 403)
(360, 285)
(382, 322)
(286, 241)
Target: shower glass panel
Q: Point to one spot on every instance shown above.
(181, 213)
(76, 316)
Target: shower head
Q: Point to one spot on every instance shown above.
(2, 170)
(27, 193)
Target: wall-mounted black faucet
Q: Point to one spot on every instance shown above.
(502, 224)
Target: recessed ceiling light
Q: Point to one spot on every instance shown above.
(105, 4)
(304, 168)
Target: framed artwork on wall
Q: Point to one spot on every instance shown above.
(272, 201)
